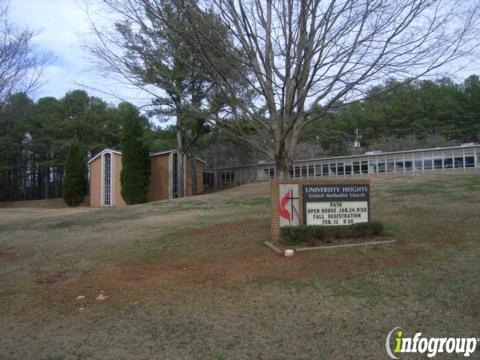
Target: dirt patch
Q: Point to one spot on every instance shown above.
(169, 273)
(164, 271)
(246, 189)
(9, 216)
(44, 203)
(56, 277)
(334, 243)
(473, 302)
(7, 256)
(224, 229)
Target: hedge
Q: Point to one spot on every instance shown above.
(313, 234)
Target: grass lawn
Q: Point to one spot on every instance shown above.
(191, 278)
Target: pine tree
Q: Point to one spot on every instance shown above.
(74, 185)
(135, 174)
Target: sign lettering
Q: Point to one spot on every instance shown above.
(333, 204)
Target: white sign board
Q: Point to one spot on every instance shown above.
(336, 213)
(332, 205)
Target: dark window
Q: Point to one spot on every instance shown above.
(348, 169)
(269, 174)
(325, 170)
(390, 166)
(469, 161)
(427, 164)
(107, 179)
(311, 171)
(208, 178)
(175, 175)
(340, 168)
(333, 169)
(304, 171)
(448, 163)
(356, 167)
(365, 167)
(227, 177)
(459, 162)
(272, 173)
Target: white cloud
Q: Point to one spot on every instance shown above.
(60, 24)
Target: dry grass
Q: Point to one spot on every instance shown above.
(190, 278)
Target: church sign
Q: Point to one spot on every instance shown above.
(332, 202)
(336, 204)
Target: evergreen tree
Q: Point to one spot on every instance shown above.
(74, 185)
(135, 174)
(159, 56)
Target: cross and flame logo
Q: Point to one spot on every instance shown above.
(288, 204)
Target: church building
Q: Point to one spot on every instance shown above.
(105, 185)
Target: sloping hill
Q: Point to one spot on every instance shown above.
(190, 278)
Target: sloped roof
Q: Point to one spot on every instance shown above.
(171, 151)
(120, 153)
(103, 152)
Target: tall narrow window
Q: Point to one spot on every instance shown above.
(107, 179)
(175, 175)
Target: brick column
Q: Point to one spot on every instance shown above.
(275, 222)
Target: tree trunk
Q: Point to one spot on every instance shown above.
(283, 166)
(282, 159)
(180, 174)
(285, 149)
(194, 173)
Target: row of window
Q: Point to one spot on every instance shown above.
(379, 166)
(374, 166)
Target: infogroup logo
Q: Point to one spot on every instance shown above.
(397, 343)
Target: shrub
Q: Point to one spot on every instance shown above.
(135, 174)
(377, 228)
(74, 183)
(296, 234)
(311, 235)
(316, 235)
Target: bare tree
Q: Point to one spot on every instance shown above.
(310, 56)
(21, 65)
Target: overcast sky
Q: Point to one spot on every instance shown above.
(59, 24)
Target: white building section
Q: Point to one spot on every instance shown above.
(445, 159)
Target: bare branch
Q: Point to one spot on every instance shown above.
(21, 64)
